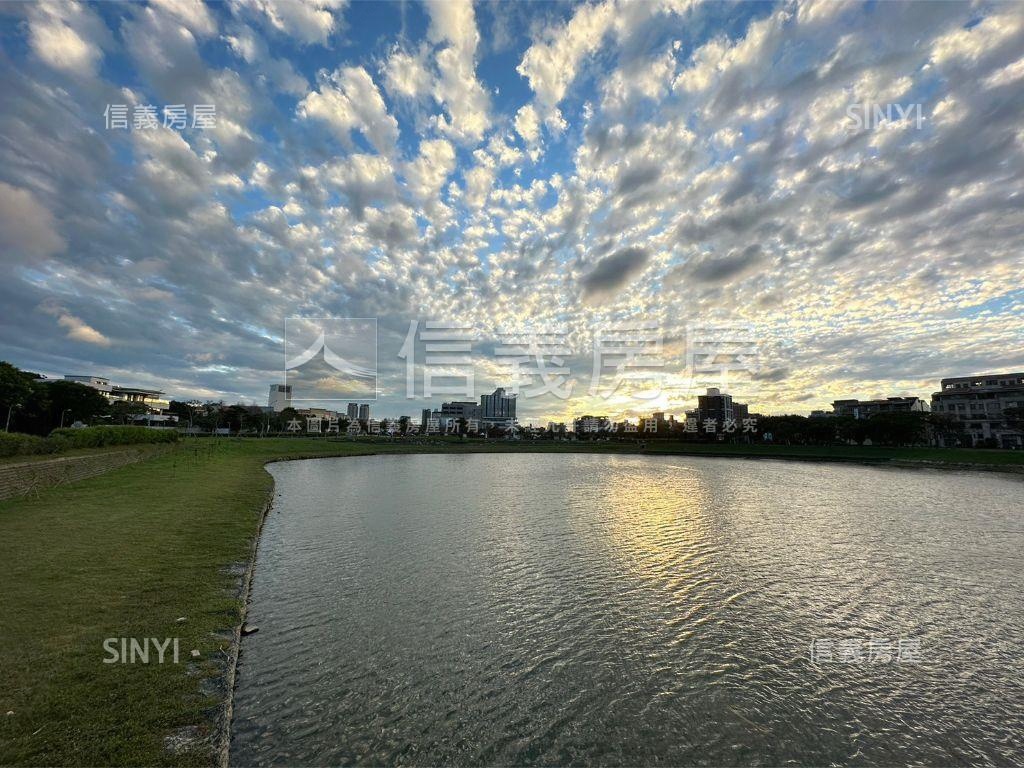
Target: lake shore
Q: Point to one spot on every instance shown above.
(164, 548)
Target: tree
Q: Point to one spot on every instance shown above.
(822, 430)
(850, 429)
(898, 428)
(69, 401)
(123, 411)
(948, 429)
(15, 390)
(786, 430)
(236, 417)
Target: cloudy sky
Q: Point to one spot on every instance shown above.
(520, 166)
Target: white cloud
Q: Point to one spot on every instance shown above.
(348, 100)
(252, 49)
(480, 180)
(191, 13)
(308, 21)
(79, 330)
(76, 328)
(453, 25)
(551, 64)
(427, 174)
(66, 36)
(971, 44)
(527, 123)
(406, 74)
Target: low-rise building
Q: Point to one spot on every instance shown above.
(865, 409)
(151, 398)
(96, 382)
(462, 409)
(979, 404)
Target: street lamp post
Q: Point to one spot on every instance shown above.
(7, 427)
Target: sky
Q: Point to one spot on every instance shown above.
(841, 181)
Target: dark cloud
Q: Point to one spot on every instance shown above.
(632, 178)
(714, 269)
(613, 272)
(771, 374)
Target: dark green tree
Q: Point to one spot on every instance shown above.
(15, 391)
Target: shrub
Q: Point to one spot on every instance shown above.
(16, 444)
(95, 437)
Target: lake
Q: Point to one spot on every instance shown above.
(576, 609)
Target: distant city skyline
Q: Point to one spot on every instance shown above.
(844, 179)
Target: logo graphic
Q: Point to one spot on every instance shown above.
(330, 358)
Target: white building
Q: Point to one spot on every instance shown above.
(280, 397)
(151, 398)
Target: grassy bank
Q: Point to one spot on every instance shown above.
(124, 555)
(128, 553)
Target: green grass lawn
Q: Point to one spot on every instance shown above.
(127, 553)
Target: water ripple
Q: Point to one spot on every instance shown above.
(438, 610)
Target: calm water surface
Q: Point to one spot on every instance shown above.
(605, 610)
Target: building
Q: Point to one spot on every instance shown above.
(364, 412)
(96, 382)
(498, 407)
(152, 399)
(979, 404)
(425, 415)
(462, 409)
(717, 405)
(280, 397)
(317, 413)
(865, 409)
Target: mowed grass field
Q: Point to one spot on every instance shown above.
(124, 554)
(127, 553)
